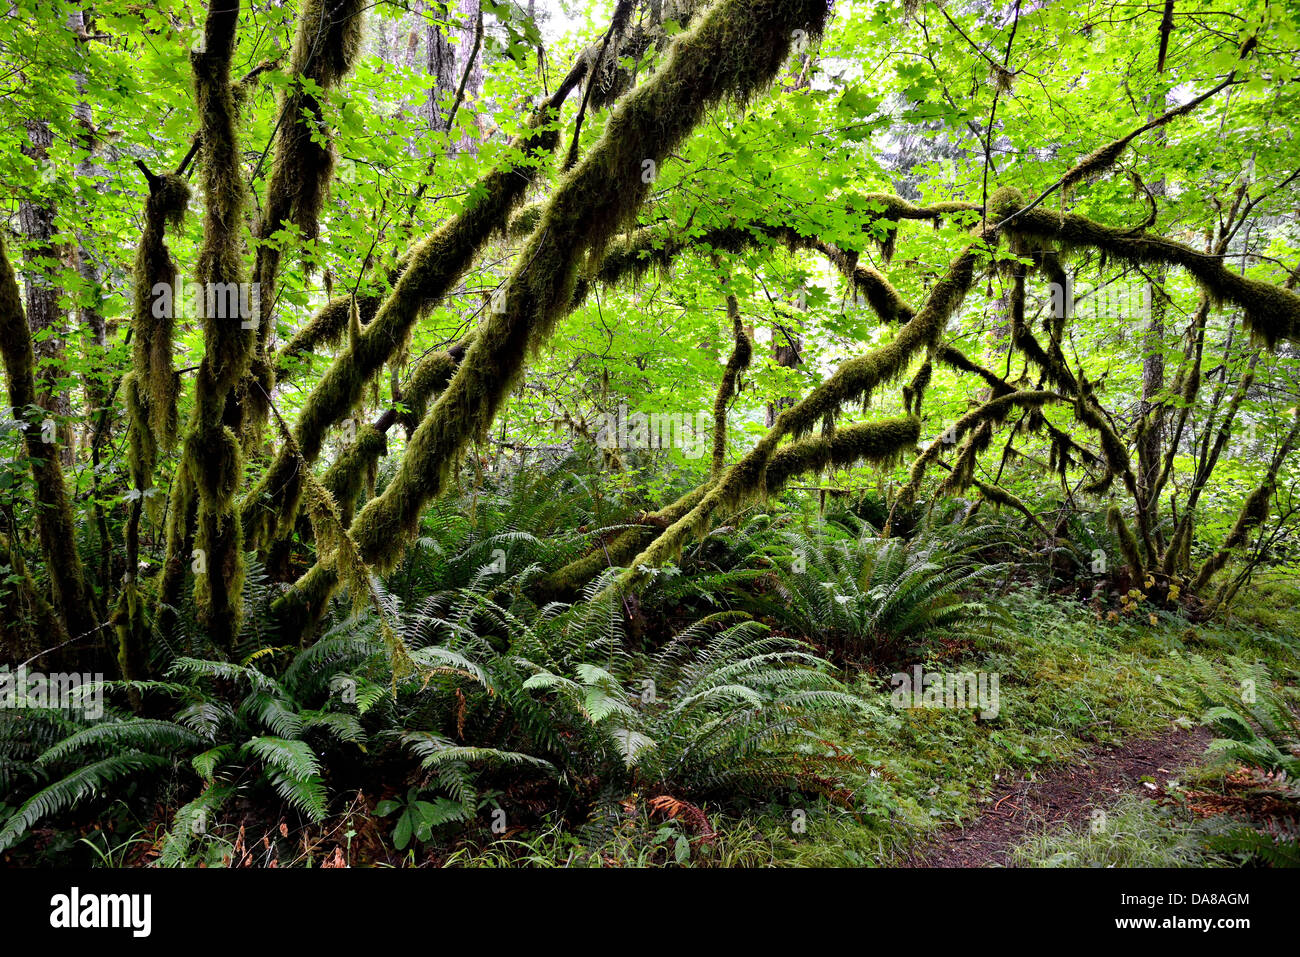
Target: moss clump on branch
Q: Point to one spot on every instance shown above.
(524, 221)
(956, 359)
(326, 44)
(1253, 513)
(1272, 313)
(856, 379)
(433, 266)
(882, 444)
(978, 422)
(1001, 498)
(430, 377)
(327, 328)
(344, 479)
(914, 391)
(568, 581)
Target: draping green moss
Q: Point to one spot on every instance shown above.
(882, 443)
(212, 453)
(855, 380)
(1271, 313)
(433, 267)
(1128, 545)
(977, 426)
(1001, 498)
(735, 48)
(153, 334)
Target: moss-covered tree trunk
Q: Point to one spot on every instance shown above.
(212, 448)
(55, 522)
(735, 49)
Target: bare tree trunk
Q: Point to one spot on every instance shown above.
(469, 15)
(1150, 438)
(440, 64)
(90, 319)
(45, 316)
(787, 348)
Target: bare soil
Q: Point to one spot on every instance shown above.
(1062, 796)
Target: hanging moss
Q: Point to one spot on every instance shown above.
(142, 447)
(1128, 545)
(153, 334)
(337, 550)
(212, 451)
(1054, 272)
(430, 376)
(881, 444)
(327, 42)
(978, 421)
(883, 212)
(1050, 361)
(956, 359)
(1004, 499)
(1087, 411)
(28, 622)
(856, 379)
(628, 258)
(1271, 313)
(607, 77)
(326, 329)
(344, 479)
(433, 267)
(567, 582)
(914, 391)
(525, 220)
(1253, 513)
(734, 50)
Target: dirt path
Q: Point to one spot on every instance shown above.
(1061, 796)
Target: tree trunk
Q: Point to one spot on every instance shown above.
(45, 316)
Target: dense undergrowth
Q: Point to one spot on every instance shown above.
(739, 709)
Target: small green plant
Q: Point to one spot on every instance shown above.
(418, 817)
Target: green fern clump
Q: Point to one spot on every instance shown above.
(228, 719)
(726, 707)
(1258, 734)
(871, 600)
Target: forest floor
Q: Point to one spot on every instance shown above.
(1064, 797)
